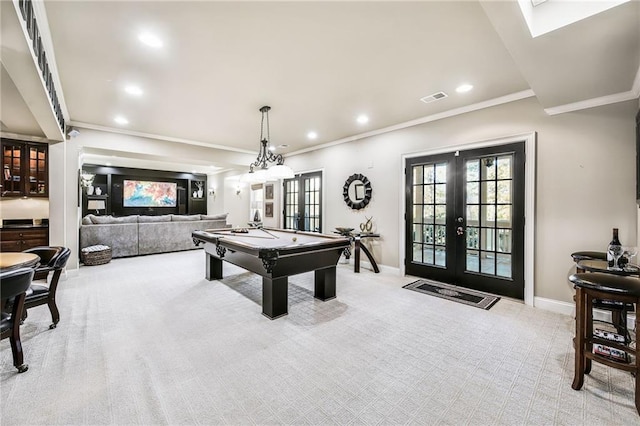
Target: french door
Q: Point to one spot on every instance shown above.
(303, 202)
(465, 218)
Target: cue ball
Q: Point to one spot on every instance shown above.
(294, 239)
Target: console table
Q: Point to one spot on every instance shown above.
(356, 238)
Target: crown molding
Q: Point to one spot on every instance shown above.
(592, 103)
(157, 137)
(429, 118)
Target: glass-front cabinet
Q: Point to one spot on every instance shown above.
(24, 169)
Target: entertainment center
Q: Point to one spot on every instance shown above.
(122, 191)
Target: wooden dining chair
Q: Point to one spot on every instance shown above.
(52, 259)
(14, 285)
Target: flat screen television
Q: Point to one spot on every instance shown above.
(142, 193)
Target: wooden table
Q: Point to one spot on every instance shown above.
(9, 261)
(598, 265)
(618, 309)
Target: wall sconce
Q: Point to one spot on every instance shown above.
(212, 191)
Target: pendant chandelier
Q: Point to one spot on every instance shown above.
(260, 170)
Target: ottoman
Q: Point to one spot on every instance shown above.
(95, 255)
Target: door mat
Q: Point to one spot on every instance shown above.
(457, 294)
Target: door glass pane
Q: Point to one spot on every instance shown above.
(505, 167)
(488, 215)
(489, 192)
(429, 213)
(428, 194)
(472, 261)
(428, 234)
(429, 174)
(488, 169)
(427, 253)
(473, 170)
(473, 215)
(441, 193)
(504, 191)
(472, 238)
(487, 239)
(504, 265)
(441, 256)
(417, 233)
(473, 192)
(417, 194)
(441, 235)
(504, 216)
(441, 215)
(417, 175)
(487, 262)
(417, 213)
(417, 253)
(441, 173)
(504, 240)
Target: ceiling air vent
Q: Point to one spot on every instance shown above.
(434, 97)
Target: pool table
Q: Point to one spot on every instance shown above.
(275, 254)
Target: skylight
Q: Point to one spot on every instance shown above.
(550, 15)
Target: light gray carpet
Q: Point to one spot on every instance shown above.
(148, 340)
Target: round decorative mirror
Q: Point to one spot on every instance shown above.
(357, 191)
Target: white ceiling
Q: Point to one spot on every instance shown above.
(317, 64)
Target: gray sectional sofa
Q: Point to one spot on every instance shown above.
(135, 235)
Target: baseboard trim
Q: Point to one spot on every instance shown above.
(566, 308)
(367, 267)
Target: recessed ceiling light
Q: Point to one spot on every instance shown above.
(107, 164)
(150, 40)
(133, 90)
(193, 171)
(463, 88)
(362, 119)
(121, 120)
(272, 148)
(284, 145)
(312, 135)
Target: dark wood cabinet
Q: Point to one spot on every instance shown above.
(19, 239)
(197, 197)
(25, 169)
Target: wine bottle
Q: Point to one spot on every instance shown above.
(614, 242)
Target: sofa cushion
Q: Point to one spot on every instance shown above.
(214, 216)
(87, 220)
(103, 220)
(184, 218)
(161, 218)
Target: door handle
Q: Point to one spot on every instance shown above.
(460, 230)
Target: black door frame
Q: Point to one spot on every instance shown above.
(300, 177)
(530, 140)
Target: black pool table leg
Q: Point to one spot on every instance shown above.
(214, 267)
(325, 283)
(275, 297)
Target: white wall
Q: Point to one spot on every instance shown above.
(24, 208)
(585, 179)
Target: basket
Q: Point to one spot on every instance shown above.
(96, 255)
